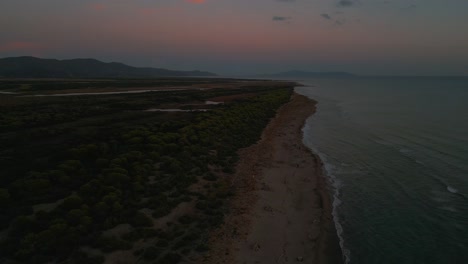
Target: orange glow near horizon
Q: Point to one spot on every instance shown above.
(97, 6)
(196, 1)
(17, 45)
(248, 32)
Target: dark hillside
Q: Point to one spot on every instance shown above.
(31, 67)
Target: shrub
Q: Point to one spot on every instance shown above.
(151, 253)
(141, 220)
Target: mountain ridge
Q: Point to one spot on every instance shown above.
(304, 74)
(32, 67)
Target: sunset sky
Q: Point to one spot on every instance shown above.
(390, 37)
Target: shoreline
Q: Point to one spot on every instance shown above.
(281, 209)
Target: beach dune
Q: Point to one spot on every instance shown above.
(281, 211)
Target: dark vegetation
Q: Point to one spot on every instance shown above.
(74, 168)
(53, 86)
(31, 67)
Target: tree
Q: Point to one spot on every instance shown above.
(72, 202)
(74, 216)
(4, 197)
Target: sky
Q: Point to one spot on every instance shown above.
(239, 37)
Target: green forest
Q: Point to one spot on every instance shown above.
(83, 176)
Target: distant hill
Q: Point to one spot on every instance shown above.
(31, 67)
(305, 74)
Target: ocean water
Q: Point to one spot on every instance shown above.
(396, 155)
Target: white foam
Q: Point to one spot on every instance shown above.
(336, 185)
(448, 208)
(451, 189)
(404, 150)
(383, 142)
(439, 199)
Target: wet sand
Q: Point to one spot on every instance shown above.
(281, 210)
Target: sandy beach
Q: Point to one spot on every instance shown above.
(281, 210)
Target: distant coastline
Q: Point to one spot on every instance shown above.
(307, 74)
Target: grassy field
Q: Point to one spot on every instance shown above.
(84, 176)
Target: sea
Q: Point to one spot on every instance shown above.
(395, 152)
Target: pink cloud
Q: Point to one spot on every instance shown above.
(148, 11)
(160, 10)
(97, 7)
(17, 46)
(196, 1)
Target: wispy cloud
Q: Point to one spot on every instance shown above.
(281, 18)
(337, 21)
(410, 7)
(326, 16)
(345, 3)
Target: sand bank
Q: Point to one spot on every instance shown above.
(281, 211)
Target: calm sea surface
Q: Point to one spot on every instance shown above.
(396, 154)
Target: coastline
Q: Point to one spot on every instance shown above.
(281, 209)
